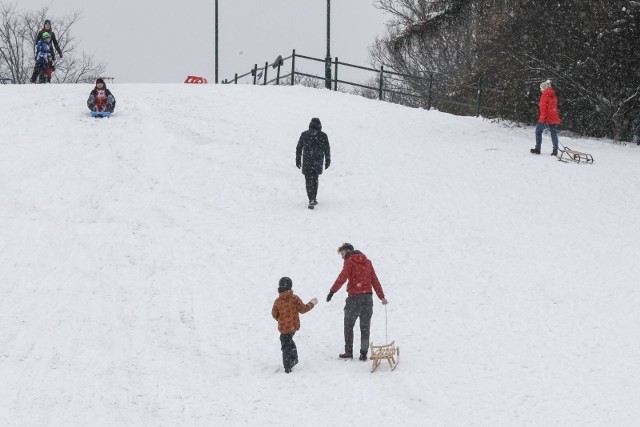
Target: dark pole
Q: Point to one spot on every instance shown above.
(327, 60)
(216, 25)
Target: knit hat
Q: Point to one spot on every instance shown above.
(545, 85)
(99, 80)
(46, 36)
(346, 247)
(285, 284)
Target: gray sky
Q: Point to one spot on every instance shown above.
(151, 41)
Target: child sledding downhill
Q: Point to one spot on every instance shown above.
(101, 101)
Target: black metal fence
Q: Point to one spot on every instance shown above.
(417, 91)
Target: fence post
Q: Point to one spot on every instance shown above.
(278, 75)
(430, 88)
(335, 82)
(293, 67)
(380, 95)
(255, 73)
(266, 67)
(235, 79)
(478, 99)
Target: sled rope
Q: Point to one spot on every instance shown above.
(386, 337)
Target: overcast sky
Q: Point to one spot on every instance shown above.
(150, 41)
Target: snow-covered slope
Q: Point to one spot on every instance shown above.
(140, 256)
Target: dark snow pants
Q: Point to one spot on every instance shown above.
(40, 74)
(358, 306)
(289, 351)
(312, 185)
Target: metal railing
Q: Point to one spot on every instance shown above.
(389, 83)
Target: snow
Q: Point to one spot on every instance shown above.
(140, 257)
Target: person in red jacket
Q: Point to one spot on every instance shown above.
(285, 310)
(549, 117)
(358, 270)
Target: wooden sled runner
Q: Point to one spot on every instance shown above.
(388, 352)
(574, 156)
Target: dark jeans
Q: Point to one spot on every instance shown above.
(289, 350)
(312, 185)
(357, 306)
(553, 130)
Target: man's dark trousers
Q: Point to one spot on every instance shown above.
(358, 306)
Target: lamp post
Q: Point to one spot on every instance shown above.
(327, 60)
(216, 42)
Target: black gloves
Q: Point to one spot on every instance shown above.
(298, 164)
(329, 296)
(327, 164)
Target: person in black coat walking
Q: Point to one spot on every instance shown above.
(313, 154)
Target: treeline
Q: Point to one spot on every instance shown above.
(18, 30)
(590, 49)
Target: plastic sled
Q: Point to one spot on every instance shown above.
(100, 114)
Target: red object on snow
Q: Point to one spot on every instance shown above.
(549, 108)
(195, 79)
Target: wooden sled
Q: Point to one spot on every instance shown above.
(574, 156)
(388, 352)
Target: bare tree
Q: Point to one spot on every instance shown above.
(13, 51)
(17, 47)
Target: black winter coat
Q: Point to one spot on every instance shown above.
(313, 151)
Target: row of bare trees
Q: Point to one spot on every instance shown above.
(18, 30)
(590, 49)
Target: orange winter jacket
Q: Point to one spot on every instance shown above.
(285, 310)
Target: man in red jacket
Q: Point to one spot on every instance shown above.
(549, 117)
(358, 270)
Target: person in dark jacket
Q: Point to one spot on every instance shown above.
(43, 65)
(358, 270)
(101, 99)
(549, 117)
(285, 310)
(313, 154)
(54, 47)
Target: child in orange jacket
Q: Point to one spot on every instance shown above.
(285, 310)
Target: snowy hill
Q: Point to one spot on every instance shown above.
(140, 257)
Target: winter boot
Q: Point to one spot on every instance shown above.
(311, 205)
(346, 355)
(313, 202)
(554, 152)
(535, 151)
(363, 356)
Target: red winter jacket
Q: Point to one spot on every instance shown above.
(361, 275)
(549, 108)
